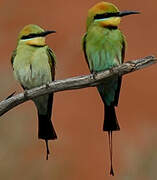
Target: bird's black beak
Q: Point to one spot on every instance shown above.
(126, 13)
(47, 32)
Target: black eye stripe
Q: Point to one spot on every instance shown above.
(33, 35)
(106, 15)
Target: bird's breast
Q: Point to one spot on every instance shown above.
(32, 71)
(103, 48)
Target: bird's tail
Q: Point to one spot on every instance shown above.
(110, 119)
(110, 124)
(46, 130)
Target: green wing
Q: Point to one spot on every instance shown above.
(13, 57)
(84, 48)
(116, 99)
(110, 91)
(52, 61)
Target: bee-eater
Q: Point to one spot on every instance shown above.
(104, 48)
(34, 65)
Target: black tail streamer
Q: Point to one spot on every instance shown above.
(47, 149)
(110, 149)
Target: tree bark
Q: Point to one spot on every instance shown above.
(75, 82)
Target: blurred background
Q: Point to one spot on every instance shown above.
(81, 151)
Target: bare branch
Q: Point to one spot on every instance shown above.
(75, 82)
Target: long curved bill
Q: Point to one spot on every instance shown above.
(47, 32)
(126, 13)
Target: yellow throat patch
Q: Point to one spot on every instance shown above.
(38, 41)
(112, 21)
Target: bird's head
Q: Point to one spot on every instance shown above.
(106, 15)
(33, 35)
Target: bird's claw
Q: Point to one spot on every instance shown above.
(47, 85)
(94, 75)
(25, 94)
(112, 69)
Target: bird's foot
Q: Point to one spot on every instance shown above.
(94, 75)
(47, 85)
(112, 69)
(25, 93)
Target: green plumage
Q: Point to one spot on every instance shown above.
(34, 65)
(104, 49)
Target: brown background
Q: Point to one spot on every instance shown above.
(81, 151)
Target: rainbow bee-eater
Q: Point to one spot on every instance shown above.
(34, 65)
(104, 48)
